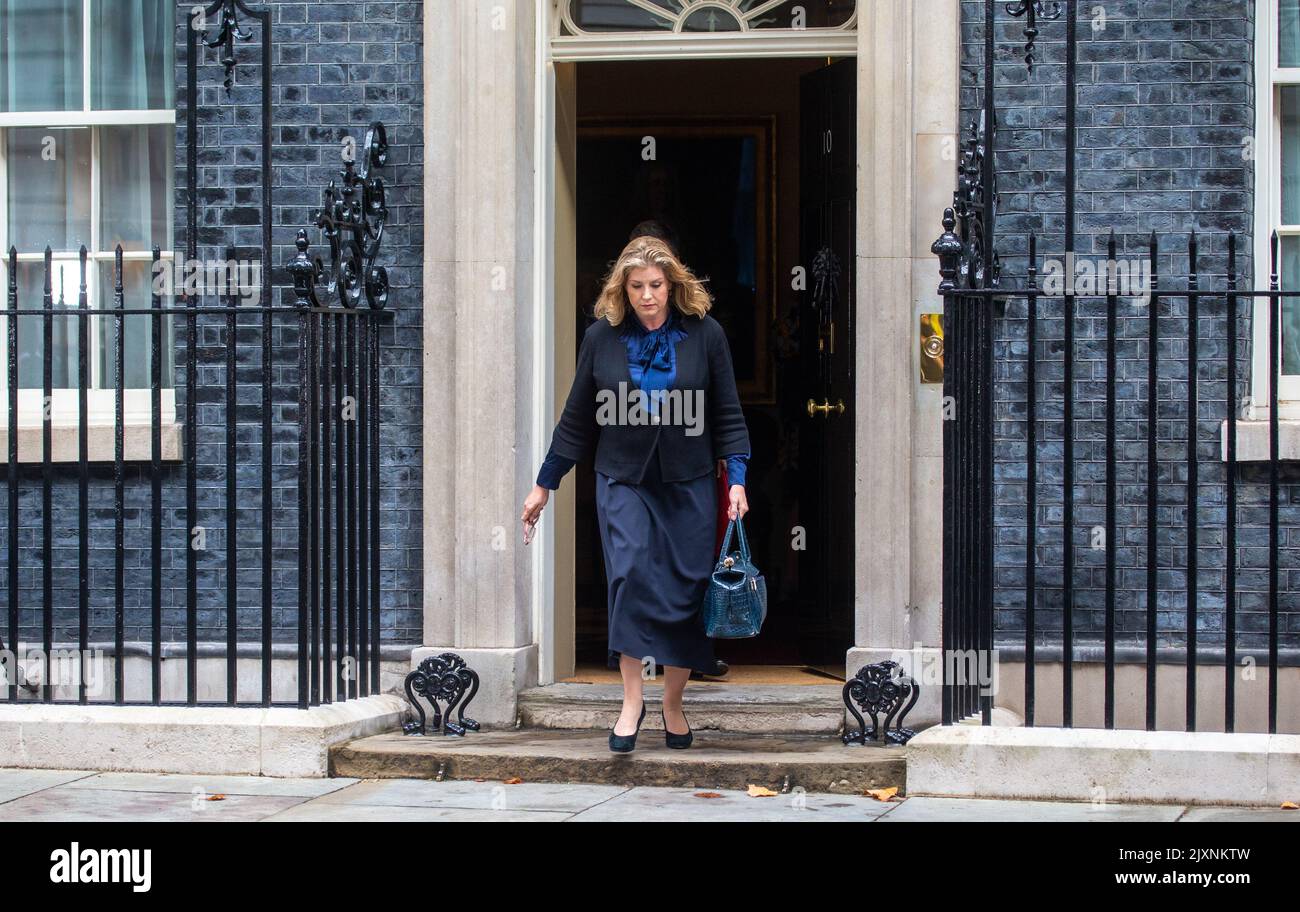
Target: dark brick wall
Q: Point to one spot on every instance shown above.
(337, 66)
(1166, 103)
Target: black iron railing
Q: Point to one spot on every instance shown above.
(977, 299)
(969, 342)
(321, 414)
(329, 414)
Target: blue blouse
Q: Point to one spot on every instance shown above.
(652, 363)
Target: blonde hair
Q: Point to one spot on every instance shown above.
(688, 292)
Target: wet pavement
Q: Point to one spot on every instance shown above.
(69, 795)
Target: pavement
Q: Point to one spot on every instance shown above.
(79, 795)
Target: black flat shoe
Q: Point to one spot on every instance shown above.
(679, 742)
(624, 743)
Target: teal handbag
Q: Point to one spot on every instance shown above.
(735, 602)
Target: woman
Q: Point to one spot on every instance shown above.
(656, 455)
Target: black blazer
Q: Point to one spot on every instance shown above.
(623, 449)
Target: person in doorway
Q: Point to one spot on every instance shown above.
(656, 499)
(664, 231)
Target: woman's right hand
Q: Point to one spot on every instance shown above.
(533, 505)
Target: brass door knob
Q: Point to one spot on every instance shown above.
(825, 408)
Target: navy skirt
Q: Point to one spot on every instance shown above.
(658, 539)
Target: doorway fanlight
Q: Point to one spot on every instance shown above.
(585, 17)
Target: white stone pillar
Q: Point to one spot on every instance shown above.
(479, 64)
(908, 80)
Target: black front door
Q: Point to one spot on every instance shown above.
(827, 187)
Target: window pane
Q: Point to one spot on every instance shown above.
(1290, 275)
(132, 54)
(65, 277)
(137, 331)
(710, 19)
(801, 13)
(1288, 26)
(1290, 115)
(49, 188)
(621, 16)
(135, 168)
(40, 55)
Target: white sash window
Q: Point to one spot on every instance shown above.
(87, 142)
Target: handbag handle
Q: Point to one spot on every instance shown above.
(739, 526)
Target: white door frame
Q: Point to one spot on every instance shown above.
(551, 49)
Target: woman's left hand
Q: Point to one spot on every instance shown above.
(739, 505)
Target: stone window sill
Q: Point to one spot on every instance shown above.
(137, 443)
(1253, 442)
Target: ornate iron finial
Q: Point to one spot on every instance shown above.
(1033, 11)
(354, 227)
(225, 38)
(974, 206)
(306, 271)
(948, 249)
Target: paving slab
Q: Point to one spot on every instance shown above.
(489, 794)
(332, 812)
(1239, 815)
(686, 805)
(79, 804)
(929, 810)
(719, 760)
(50, 795)
(15, 783)
(212, 785)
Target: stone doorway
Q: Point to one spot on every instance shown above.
(728, 175)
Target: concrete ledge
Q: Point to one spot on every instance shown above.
(1101, 765)
(1253, 440)
(99, 669)
(216, 740)
(101, 442)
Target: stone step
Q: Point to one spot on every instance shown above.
(716, 760)
(731, 708)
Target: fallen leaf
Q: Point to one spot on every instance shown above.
(708, 794)
(1290, 806)
(883, 794)
(758, 791)
(216, 798)
(513, 780)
